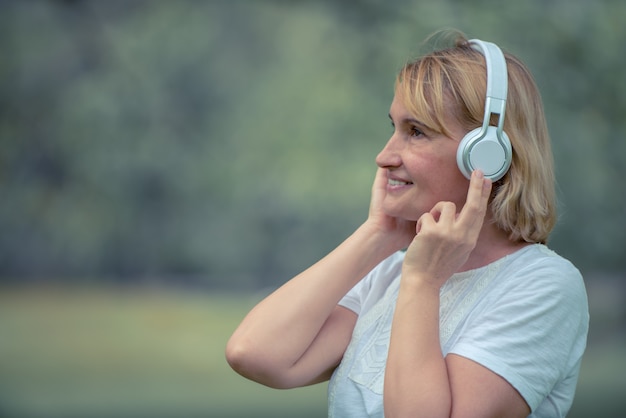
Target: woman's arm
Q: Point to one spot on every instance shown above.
(298, 334)
(419, 381)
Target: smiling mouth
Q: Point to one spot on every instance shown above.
(393, 182)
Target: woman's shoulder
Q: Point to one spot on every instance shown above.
(542, 269)
(374, 285)
(385, 272)
(540, 258)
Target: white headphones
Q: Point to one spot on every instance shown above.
(488, 148)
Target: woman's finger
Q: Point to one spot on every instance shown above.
(444, 211)
(473, 212)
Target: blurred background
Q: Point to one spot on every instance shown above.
(164, 164)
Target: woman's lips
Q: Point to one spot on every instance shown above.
(395, 182)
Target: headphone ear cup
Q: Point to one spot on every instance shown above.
(486, 152)
(463, 152)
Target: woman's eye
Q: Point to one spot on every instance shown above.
(416, 132)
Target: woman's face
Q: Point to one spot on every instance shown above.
(421, 166)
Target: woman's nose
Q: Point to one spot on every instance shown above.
(389, 156)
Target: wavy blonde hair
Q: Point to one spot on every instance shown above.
(452, 82)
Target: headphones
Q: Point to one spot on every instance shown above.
(488, 148)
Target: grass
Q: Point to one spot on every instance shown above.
(156, 353)
(109, 353)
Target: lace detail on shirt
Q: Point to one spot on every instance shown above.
(459, 294)
(369, 367)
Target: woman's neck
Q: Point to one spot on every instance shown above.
(493, 243)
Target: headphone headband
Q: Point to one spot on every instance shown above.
(497, 81)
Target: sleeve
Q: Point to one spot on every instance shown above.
(533, 332)
(353, 300)
(372, 287)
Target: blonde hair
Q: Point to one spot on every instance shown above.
(451, 82)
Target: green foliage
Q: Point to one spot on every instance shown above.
(233, 143)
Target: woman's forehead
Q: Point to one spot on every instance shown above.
(403, 109)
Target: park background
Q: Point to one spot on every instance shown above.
(164, 164)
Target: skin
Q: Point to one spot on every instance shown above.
(420, 200)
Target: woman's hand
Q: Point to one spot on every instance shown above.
(398, 231)
(444, 238)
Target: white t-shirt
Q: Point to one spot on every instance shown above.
(525, 317)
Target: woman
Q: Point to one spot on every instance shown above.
(477, 318)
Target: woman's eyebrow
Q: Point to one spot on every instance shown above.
(410, 121)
